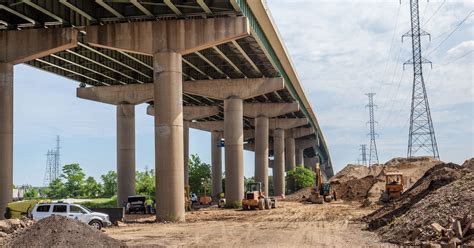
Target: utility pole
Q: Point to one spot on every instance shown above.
(363, 154)
(373, 156)
(421, 135)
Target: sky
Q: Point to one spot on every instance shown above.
(340, 49)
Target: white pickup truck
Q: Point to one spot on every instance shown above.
(72, 211)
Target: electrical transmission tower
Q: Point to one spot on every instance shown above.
(53, 164)
(363, 154)
(421, 135)
(373, 156)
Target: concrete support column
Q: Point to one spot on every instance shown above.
(279, 162)
(290, 160)
(261, 151)
(125, 152)
(6, 136)
(234, 148)
(168, 95)
(299, 157)
(216, 153)
(186, 152)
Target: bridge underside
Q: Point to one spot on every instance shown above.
(98, 65)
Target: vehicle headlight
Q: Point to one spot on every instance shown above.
(106, 218)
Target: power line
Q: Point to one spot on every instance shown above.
(434, 13)
(452, 32)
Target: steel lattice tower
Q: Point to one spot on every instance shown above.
(53, 164)
(363, 149)
(373, 156)
(421, 135)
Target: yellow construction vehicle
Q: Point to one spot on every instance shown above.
(255, 198)
(322, 191)
(393, 186)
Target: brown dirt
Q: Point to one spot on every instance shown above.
(293, 224)
(453, 201)
(433, 179)
(57, 231)
(299, 195)
(366, 183)
(469, 164)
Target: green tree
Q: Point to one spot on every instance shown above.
(109, 186)
(199, 175)
(299, 178)
(31, 193)
(145, 183)
(91, 188)
(74, 177)
(56, 189)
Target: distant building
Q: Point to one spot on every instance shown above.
(18, 194)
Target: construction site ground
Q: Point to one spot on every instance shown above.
(292, 224)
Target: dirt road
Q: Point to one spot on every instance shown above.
(293, 224)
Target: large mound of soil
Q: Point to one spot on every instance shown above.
(452, 201)
(469, 164)
(358, 182)
(58, 231)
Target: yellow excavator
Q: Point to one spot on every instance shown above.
(322, 190)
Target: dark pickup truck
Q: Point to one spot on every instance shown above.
(136, 204)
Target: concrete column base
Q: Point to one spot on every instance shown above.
(169, 136)
(6, 136)
(125, 153)
(234, 147)
(279, 162)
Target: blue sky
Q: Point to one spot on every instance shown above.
(341, 50)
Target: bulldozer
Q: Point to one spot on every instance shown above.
(322, 191)
(393, 186)
(255, 198)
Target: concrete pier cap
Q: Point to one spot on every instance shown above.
(20, 46)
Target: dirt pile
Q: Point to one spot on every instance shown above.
(9, 227)
(469, 164)
(354, 189)
(58, 231)
(299, 195)
(443, 193)
(366, 183)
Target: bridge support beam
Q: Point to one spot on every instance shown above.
(190, 113)
(125, 152)
(279, 162)
(299, 157)
(216, 153)
(16, 47)
(6, 135)
(167, 41)
(290, 160)
(261, 112)
(124, 97)
(278, 126)
(233, 92)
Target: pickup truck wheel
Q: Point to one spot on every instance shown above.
(96, 224)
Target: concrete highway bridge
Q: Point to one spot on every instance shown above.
(214, 65)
